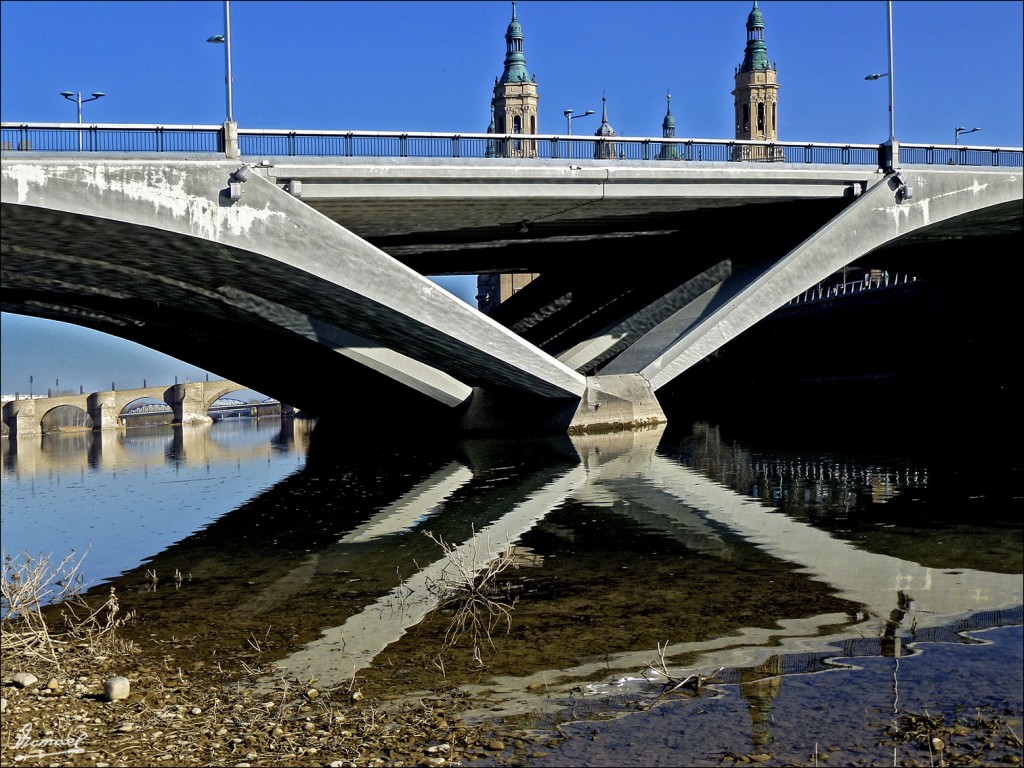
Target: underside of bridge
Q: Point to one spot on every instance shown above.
(322, 303)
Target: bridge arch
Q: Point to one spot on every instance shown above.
(65, 417)
(255, 262)
(904, 204)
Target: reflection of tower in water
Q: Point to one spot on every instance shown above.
(892, 646)
(891, 643)
(759, 686)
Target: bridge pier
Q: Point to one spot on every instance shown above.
(608, 404)
(188, 402)
(21, 417)
(620, 402)
(103, 410)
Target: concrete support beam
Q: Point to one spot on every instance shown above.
(896, 206)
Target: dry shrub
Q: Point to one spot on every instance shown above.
(470, 588)
(28, 586)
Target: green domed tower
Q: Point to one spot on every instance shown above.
(756, 95)
(668, 131)
(515, 94)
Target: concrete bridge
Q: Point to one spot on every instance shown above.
(189, 402)
(647, 268)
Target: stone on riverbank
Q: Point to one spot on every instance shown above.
(116, 688)
(24, 679)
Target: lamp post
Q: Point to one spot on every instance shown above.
(226, 39)
(77, 98)
(569, 117)
(894, 146)
(230, 129)
(960, 129)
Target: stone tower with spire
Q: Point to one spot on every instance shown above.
(513, 111)
(605, 148)
(515, 96)
(668, 131)
(756, 95)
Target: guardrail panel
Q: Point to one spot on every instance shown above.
(70, 137)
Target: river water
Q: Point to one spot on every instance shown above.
(664, 597)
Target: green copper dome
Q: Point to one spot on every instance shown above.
(669, 123)
(755, 56)
(515, 62)
(755, 19)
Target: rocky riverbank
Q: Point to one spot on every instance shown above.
(212, 716)
(84, 683)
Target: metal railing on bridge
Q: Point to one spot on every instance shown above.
(115, 138)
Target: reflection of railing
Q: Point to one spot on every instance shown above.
(132, 138)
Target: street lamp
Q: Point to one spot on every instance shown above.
(895, 148)
(80, 101)
(569, 117)
(960, 129)
(226, 39)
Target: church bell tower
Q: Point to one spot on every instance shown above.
(515, 95)
(756, 96)
(513, 111)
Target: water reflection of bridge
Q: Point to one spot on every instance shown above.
(355, 572)
(111, 451)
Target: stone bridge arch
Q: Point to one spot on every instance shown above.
(189, 402)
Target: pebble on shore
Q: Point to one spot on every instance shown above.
(24, 679)
(116, 688)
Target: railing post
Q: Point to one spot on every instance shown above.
(455, 146)
(403, 145)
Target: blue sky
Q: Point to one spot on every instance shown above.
(430, 66)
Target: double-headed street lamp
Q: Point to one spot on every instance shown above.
(77, 98)
(960, 129)
(569, 117)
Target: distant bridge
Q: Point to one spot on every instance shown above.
(314, 248)
(190, 403)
